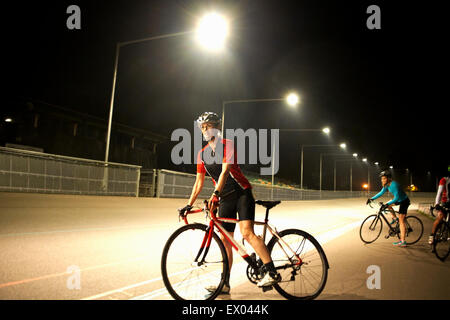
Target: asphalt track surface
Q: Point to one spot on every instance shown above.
(114, 244)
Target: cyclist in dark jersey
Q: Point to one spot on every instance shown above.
(232, 194)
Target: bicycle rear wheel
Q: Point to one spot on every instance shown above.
(441, 241)
(414, 229)
(302, 281)
(186, 275)
(371, 228)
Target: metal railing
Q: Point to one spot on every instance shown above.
(29, 171)
(173, 184)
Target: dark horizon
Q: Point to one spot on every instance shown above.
(378, 90)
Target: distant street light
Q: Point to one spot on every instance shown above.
(391, 167)
(292, 100)
(364, 159)
(342, 146)
(326, 130)
(321, 168)
(355, 155)
(376, 163)
(351, 172)
(8, 119)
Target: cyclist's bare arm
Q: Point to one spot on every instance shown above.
(198, 185)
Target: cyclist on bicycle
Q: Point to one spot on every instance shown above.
(400, 198)
(442, 204)
(232, 194)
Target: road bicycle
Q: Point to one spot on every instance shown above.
(441, 239)
(372, 226)
(194, 259)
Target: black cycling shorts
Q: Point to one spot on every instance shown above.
(239, 201)
(403, 206)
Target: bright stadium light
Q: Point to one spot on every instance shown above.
(212, 30)
(292, 99)
(343, 145)
(326, 130)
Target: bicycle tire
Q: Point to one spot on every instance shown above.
(166, 276)
(441, 235)
(376, 220)
(322, 256)
(411, 218)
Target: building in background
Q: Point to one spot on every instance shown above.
(35, 125)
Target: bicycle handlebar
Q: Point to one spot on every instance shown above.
(205, 209)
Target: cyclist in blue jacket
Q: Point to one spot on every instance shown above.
(400, 198)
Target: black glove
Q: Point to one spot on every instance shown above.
(369, 201)
(183, 210)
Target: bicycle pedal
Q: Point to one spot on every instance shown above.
(264, 289)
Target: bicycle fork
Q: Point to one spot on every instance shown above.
(204, 246)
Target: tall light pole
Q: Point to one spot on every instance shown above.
(116, 63)
(351, 171)
(321, 167)
(292, 100)
(342, 145)
(211, 32)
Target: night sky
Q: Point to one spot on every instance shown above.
(380, 91)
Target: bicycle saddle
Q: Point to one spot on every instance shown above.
(267, 204)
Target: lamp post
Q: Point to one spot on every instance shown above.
(292, 100)
(321, 167)
(351, 170)
(342, 145)
(211, 33)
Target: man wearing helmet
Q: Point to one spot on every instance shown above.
(232, 194)
(400, 198)
(441, 203)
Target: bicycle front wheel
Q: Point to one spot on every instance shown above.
(441, 241)
(371, 228)
(300, 280)
(187, 272)
(414, 229)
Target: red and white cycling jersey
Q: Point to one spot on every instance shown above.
(442, 193)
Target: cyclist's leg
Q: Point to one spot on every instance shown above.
(246, 210)
(438, 220)
(391, 210)
(227, 209)
(402, 217)
(402, 211)
(246, 228)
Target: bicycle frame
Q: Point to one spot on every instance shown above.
(380, 214)
(216, 222)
